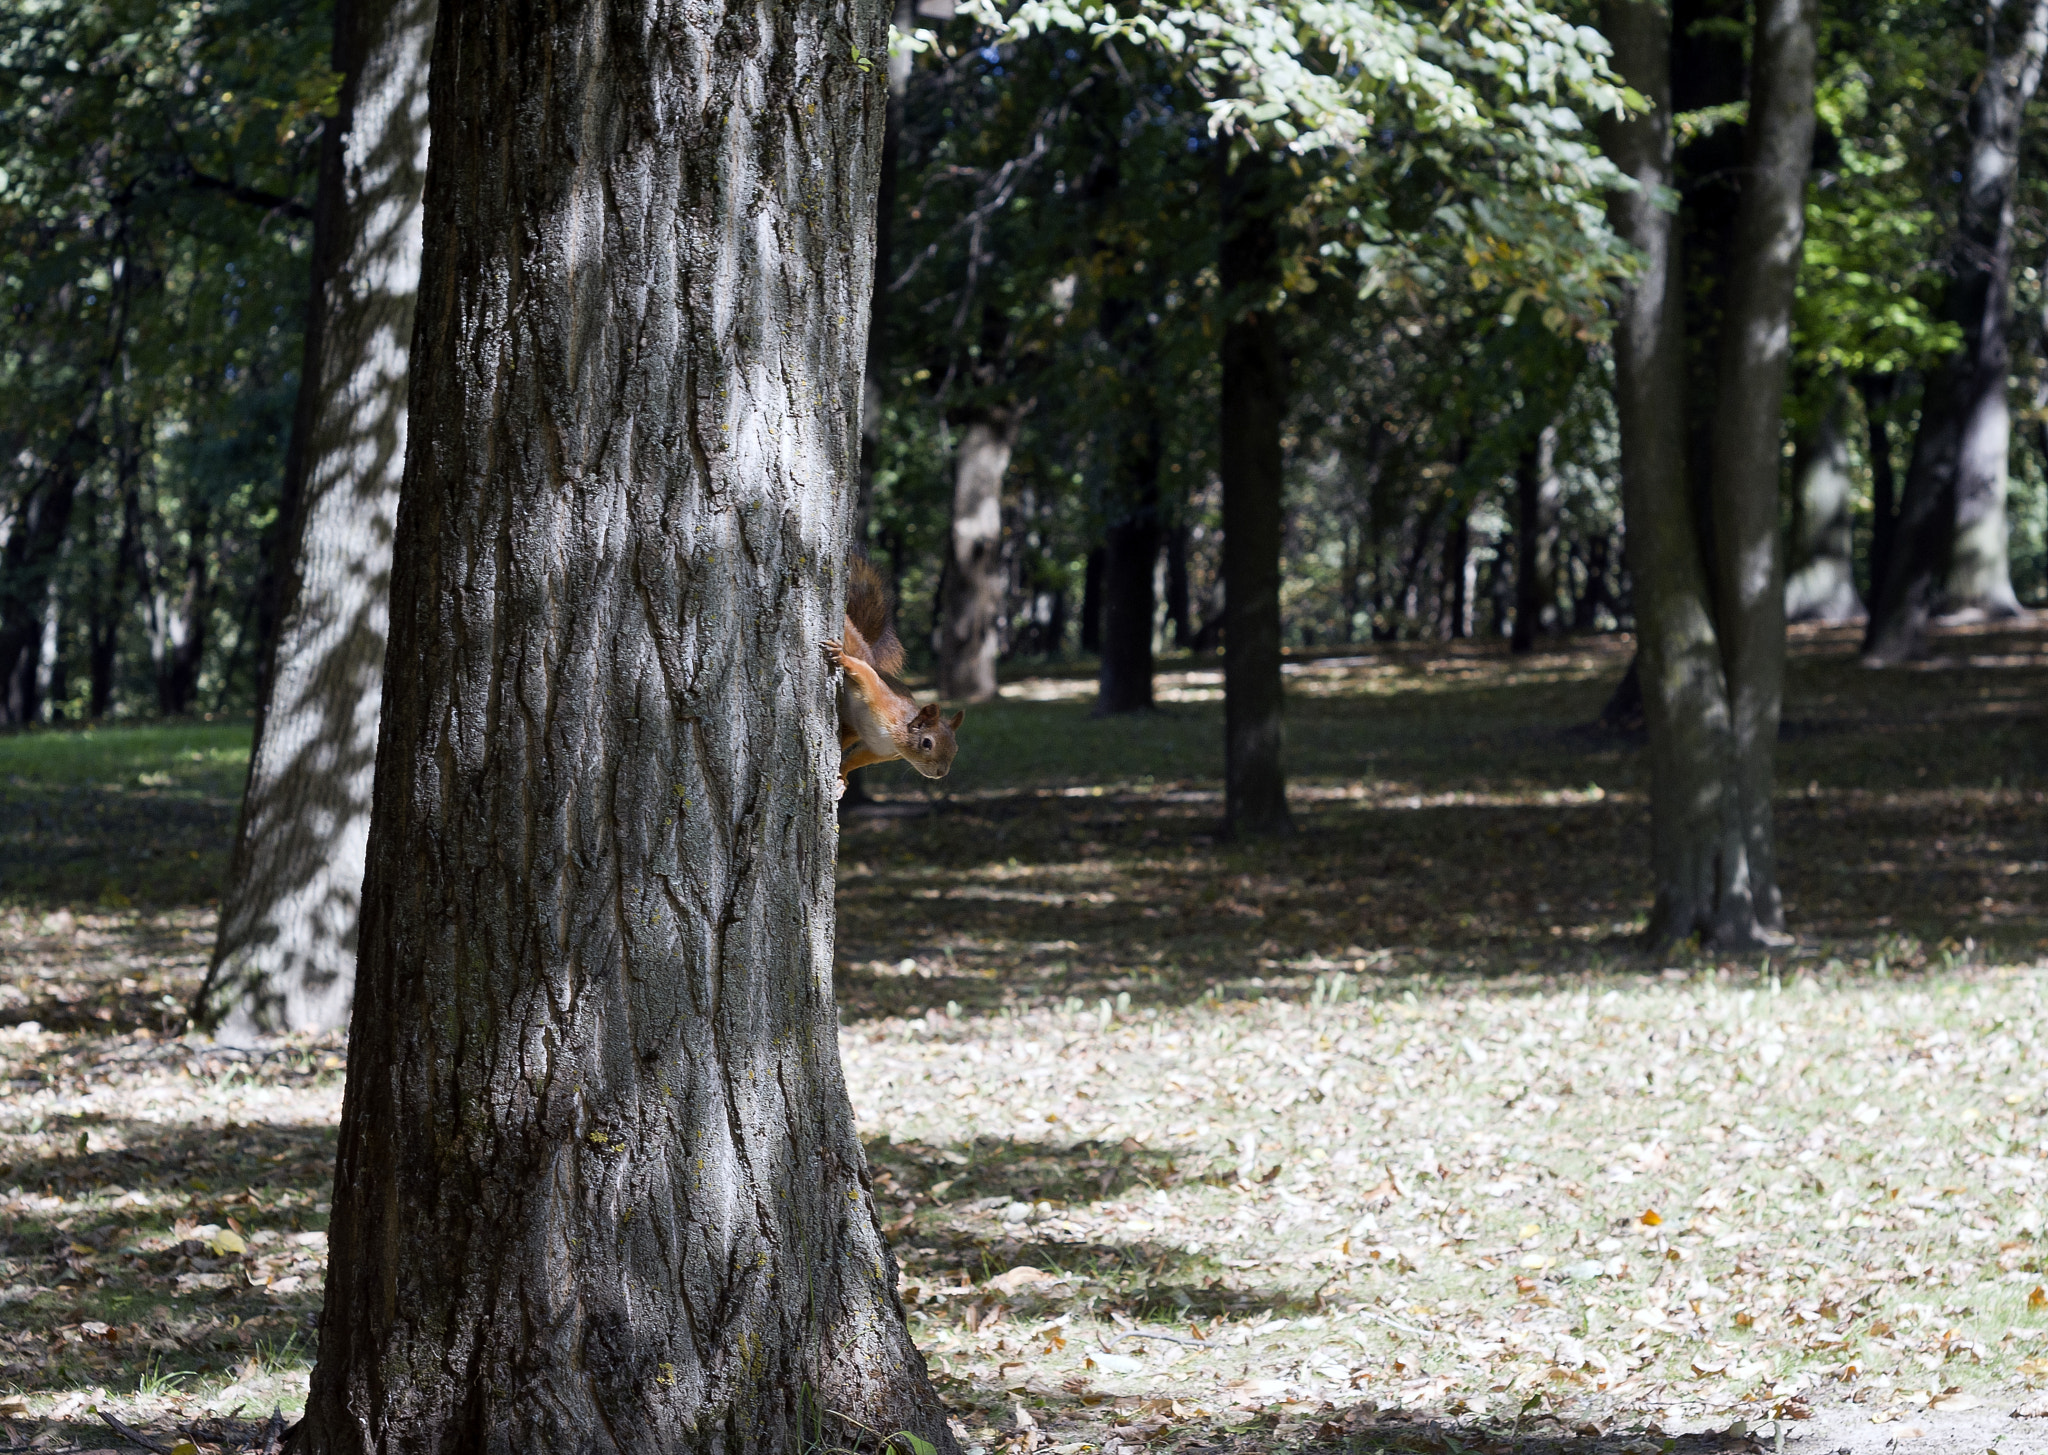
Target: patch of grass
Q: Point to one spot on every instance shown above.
(110, 817)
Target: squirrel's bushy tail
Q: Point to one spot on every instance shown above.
(867, 607)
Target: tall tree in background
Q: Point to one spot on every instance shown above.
(285, 958)
(1820, 578)
(1708, 581)
(1949, 542)
(599, 1185)
(1253, 410)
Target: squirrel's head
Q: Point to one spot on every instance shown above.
(929, 744)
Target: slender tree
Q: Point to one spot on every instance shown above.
(1537, 489)
(976, 581)
(285, 956)
(598, 1184)
(1252, 411)
(1949, 543)
(1820, 582)
(1709, 597)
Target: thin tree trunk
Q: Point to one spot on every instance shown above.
(1458, 576)
(971, 605)
(1755, 363)
(874, 378)
(1253, 405)
(1536, 495)
(186, 620)
(1091, 602)
(599, 1186)
(1950, 551)
(1695, 834)
(1179, 609)
(1879, 390)
(285, 958)
(1821, 584)
(1130, 554)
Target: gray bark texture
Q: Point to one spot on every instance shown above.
(1820, 584)
(1253, 408)
(1709, 608)
(1537, 491)
(285, 959)
(1949, 549)
(971, 609)
(1748, 428)
(598, 1186)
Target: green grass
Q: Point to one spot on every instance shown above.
(115, 816)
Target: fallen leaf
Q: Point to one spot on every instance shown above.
(1650, 1218)
(1019, 1277)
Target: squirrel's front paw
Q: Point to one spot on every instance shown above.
(839, 790)
(833, 652)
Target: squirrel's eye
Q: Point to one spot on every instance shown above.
(927, 745)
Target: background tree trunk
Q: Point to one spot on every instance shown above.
(1129, 558)
(1253, 405)
(1678, 662)
(1878, 391)
(1536, 495)
(598, 1185)
(285, 958)
(1949, 553)
(1091, 601)
(1821, 585)
(1755, 349)
(971, 612)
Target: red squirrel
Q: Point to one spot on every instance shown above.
(878, 719)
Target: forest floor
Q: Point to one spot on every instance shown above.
(1385, 1137)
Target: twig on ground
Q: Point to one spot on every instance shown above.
(1169, 1338)
(132, 1435)
(1397, 1324)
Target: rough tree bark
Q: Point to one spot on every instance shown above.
(598, 1186)
(1749, 406)
(1536, 495)
(285, 956)
(1821, 582)
(1949, 547)
(971, 604)
(1709, 609)
(1252, 407)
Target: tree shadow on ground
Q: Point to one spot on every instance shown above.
(1455, 826)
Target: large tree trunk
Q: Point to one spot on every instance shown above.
(1949, 553)
(1709, 677)
(1755, 349)
(285, 959)
(599, 1186)
(1821, 584)
(1253, 406)
(971, 606)
(1537, 490)
(1091, 601)
(1130, 558)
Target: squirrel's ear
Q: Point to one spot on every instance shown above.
(927, 713)
(956, 719)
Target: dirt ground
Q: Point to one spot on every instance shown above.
(1386, 1137)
